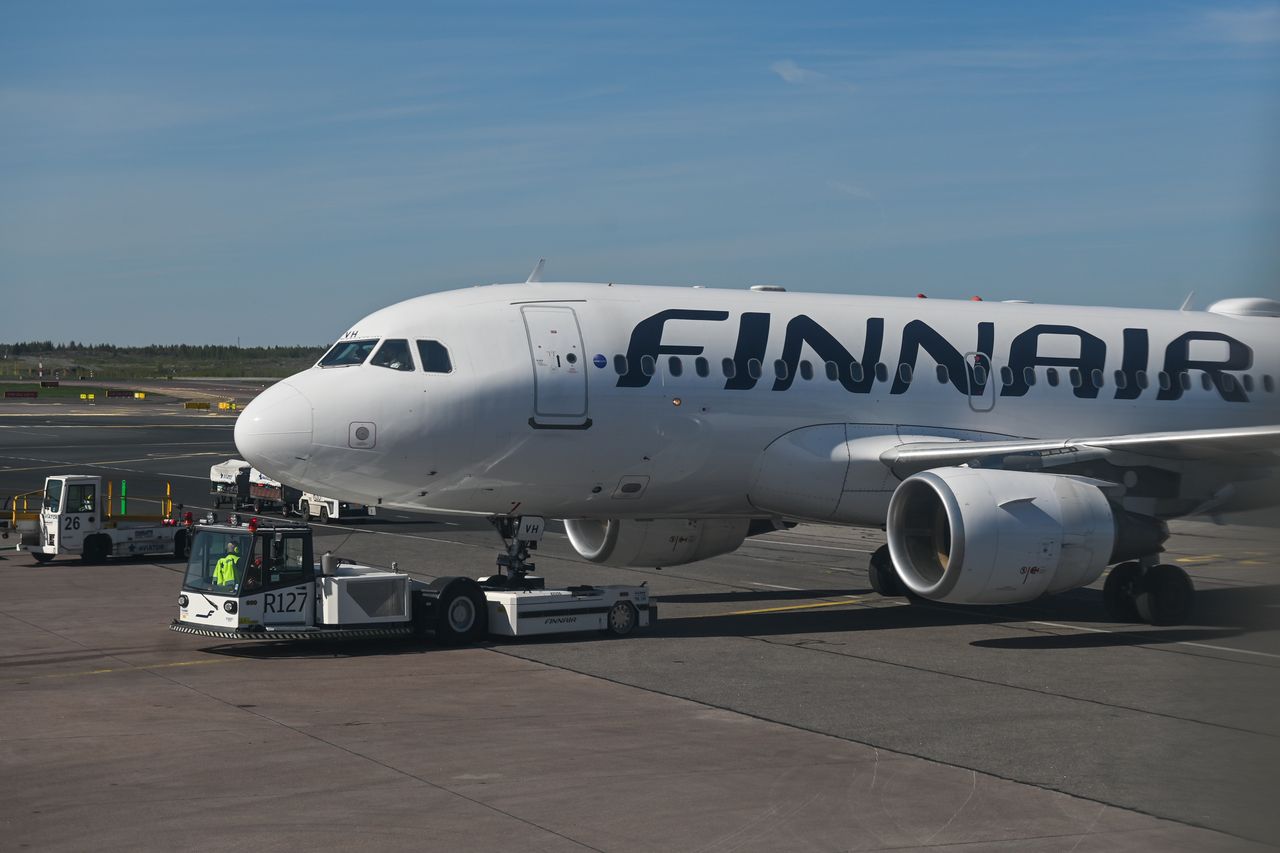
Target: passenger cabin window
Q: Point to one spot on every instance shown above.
(1122, 381)
(701, 367)
(674, 366)
(882, 372)
(647, 365)
(1029, 375)
(806, 370)
(754, 369)
(394, 354)
(1163, 379)
(855, 371)
(435, 358)
(1268, 384)
(833, 371)
(1051, 375)
(1184, 379)
(620, 364)
(1096, 375)
(730, 369)
(347, 353)
(904, 371)
(780, 368)
(941, 372)
(1206, 381)
(1247, 379)
(1006, 376)
(1076, 379)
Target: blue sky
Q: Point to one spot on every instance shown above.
(197, 172)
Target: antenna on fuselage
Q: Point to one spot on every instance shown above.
(536, 275)
(1186, 303)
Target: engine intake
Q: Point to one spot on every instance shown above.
(973, 536)
(655, 542)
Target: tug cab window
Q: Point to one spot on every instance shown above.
(435, 357)
(394, 354)
(347, 353)
(82, 497)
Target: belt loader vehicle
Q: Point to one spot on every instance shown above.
(259, 581)
(77, 517)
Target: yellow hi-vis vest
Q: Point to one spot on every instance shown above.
(224, 573)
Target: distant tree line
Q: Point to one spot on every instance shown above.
(198, 351)
(72, 360)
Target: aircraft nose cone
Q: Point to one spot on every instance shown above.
(274, 431)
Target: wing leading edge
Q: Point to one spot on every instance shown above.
(1189, 445)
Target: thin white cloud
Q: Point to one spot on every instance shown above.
(852, 190)
(794, 74)
(1256, 25)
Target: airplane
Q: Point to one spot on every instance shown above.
(1009, 450)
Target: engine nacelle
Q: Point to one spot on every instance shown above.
(655, 542)
(974, 536)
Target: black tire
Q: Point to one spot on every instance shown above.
(1119, 593)
(622, 619)
(41, 558)
(304, 509)
(1165, 596)
(324, 515)
(882, 576)
(181, 546)
(461, 612)
(95, 549)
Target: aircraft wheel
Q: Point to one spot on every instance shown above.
(461, 611)
(1119, 593)
(622, 619)
(1165, 596)
(883, 576)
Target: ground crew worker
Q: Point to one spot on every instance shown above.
(224, 573)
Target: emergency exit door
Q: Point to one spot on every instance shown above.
(559, 369)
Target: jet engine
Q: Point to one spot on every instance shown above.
(974, 536)
(655, 542)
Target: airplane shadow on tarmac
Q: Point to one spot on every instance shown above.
(1220, 614)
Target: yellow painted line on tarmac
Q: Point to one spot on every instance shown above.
(1207, 558)
(852, 599)
(148, 667)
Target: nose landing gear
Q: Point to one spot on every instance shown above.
(519, 535)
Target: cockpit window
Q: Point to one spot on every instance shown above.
(435, 358)
(347, 353)
(394, 353)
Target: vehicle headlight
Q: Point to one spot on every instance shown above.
(182, 601)
(229, 606)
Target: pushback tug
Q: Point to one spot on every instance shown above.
(258, 580)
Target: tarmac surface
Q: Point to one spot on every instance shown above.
(779, 704)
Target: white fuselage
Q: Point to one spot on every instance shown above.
(535, 418)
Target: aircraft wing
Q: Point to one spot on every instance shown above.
(1207, 444)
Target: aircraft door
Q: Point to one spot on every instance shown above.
(982, 381)
(559, 369)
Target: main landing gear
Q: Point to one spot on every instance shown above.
(1144, 591)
